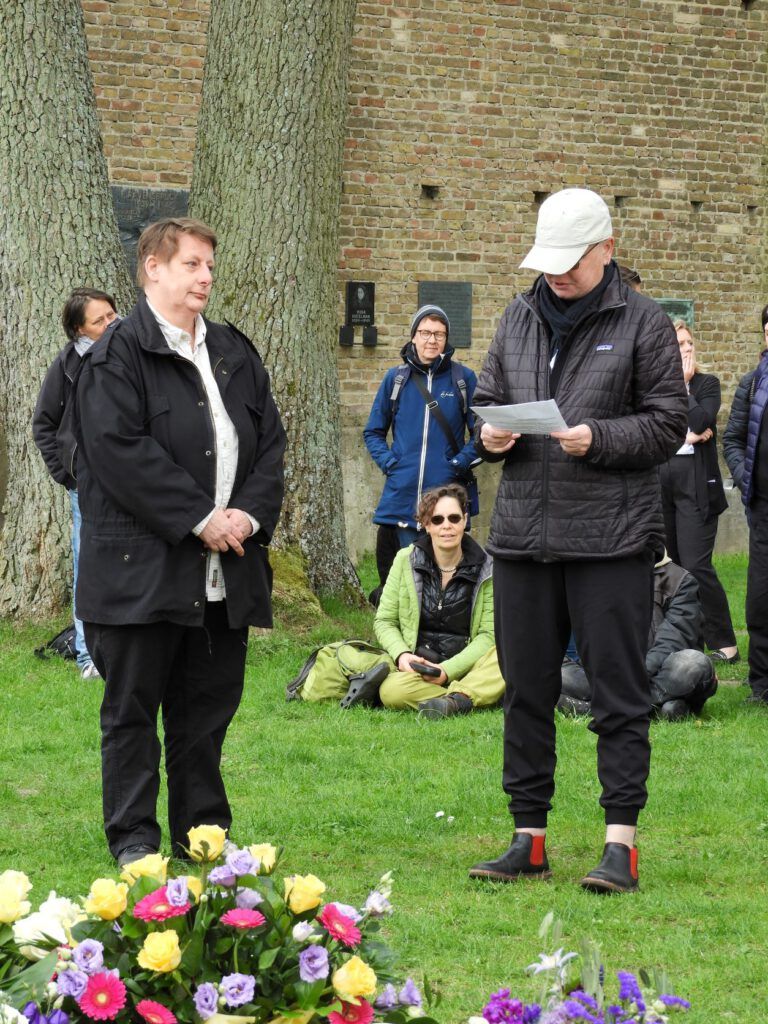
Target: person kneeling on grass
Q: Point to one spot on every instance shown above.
(434, 624)
(681, 676)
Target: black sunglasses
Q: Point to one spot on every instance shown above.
(454, 517)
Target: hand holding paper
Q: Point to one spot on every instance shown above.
(523, 418)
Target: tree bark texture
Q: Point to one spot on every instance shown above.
(57, 231)
(267, 178)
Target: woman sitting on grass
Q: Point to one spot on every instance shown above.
(434, 623)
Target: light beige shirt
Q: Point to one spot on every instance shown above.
(225, 436)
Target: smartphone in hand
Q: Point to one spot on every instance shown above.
(425, 670)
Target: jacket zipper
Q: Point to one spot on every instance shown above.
(424, 442)
(545, 458)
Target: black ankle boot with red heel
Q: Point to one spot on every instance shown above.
(616, 872)
(525, 858)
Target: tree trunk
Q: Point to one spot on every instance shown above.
(267, 178)
(57, 231)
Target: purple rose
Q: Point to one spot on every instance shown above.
(241, 862)
(409, 994)
(387, 1000)
(177, 891)
(72, 983)
(313, 963)
(238, 989)
(347, 911)
(222, 875)
(206, 1000)
(247, 899)
(377, 904)
(89, 956)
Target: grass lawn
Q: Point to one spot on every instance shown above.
(352, 794)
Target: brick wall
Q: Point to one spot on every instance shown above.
(464, 114)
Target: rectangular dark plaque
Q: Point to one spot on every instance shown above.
(361, 301)
(455, 297)
(678, 309)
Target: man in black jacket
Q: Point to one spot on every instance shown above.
(577, 520)
(181, 483)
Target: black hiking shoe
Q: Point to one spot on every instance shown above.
(525, 858)
(445, 706)
(364, 687)
(674, 710)
(616, 872)
(134, 852)
(572, 706)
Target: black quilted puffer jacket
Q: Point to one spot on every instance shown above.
(623, 378)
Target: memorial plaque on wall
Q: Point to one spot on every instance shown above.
(678, 309)
(361, 300)
(135, 208)
(455, 297)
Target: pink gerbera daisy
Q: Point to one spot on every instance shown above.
(339, 926)
(351, 1014)
(154, 1013)
(241, 917)
(157, 907)
(104, 997)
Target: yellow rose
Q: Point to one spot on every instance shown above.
(17, 880)
(266, 855)
(206, 842)
(12, 906)
(153, 866)
(107, 898)
(160, 952)
(303, 892)
(195, 886)
(355, 978)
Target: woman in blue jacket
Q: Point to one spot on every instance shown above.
(426, 404)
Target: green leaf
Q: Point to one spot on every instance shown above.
(193, 954)
(32, 982)
(223, 945)
(267, 958)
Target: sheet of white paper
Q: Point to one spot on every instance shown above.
(523, 418)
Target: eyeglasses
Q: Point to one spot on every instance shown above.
(437, 335)
(452, 517)
(578, 262)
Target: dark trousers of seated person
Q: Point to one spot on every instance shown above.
(691, 536)
(195, 676)
(608, 604)
(757, 598)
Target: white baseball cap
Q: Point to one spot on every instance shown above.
(569, 222)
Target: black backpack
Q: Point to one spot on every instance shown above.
(62, 644)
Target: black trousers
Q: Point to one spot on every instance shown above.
(757, 598)
(195, 675)
(608, 604)
(690, 542)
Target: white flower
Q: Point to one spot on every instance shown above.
(477, 1020)
(303, 931)
(9, 1015)
(51, 923)
(440, 814)
(553, 962)
(450, 818)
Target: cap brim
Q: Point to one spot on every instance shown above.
(548, 260)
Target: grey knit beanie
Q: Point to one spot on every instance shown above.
(430, 310)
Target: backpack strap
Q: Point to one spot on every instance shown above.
(461, 385)
(401, 378)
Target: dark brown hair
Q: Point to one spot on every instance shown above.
(73, 314)
(161, 240)
(430, 498)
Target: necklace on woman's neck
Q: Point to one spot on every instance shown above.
(448, 568)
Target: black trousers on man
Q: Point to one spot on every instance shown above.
(757, 598)
(195, 675)
(608, 605)
(691, 536)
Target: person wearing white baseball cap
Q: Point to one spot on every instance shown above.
(578, 523)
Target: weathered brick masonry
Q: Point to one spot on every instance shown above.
(462, 116)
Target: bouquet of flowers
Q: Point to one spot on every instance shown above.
(227, 943)
(583, 1000)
